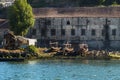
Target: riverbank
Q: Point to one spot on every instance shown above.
(15, 55)
(21, 55)
(90, 55)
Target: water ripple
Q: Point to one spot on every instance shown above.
(60, 70)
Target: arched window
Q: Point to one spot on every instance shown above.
(68, 22)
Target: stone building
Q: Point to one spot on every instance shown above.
(99, 27)
(4, 27)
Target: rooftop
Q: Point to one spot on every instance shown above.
(77, 12)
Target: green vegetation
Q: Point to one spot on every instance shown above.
(42, 55)
(21, 17)
(10, 54)
(73, 3)
(32, 49)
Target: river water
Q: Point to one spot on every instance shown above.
(61, 70)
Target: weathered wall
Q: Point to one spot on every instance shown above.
(97, 39)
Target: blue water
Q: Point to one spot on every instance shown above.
(60, 70)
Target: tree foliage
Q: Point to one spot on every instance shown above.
(21, 17)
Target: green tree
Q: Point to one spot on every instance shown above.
(21, 17)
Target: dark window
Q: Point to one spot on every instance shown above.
(48, 22)
(43, 32)
(68, 22)
(87, 21)
(108, 21)
(62, 32)
(102, 33)
(93, 32)
(34, 32)
(82, 31)
(72, 32)
(53, 32)
(114, 32)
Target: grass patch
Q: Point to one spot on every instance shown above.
(114, 55)
(41, 54)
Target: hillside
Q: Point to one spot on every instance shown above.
(73, 3)
(77, 12)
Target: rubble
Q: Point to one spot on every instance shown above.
(12, 42)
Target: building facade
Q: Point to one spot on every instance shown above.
(4, 27)
(99, 31)
(6, 3)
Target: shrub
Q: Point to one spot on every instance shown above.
(32, 49)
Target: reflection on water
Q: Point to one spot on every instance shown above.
(61, 70)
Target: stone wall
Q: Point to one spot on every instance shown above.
(91, 30)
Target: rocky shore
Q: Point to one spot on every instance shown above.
(21, 55)
(15, 55)
(92, 55)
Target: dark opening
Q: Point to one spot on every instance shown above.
(34, 32)
(114, 32)
(106, 32)
(43, 32)
(87, 21)
(72, 32)
(48, 22)
(82, 32)
(62, 32)
(68, 22)
(93, 32)
(102, 33)
(53, 32)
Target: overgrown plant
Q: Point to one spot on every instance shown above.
(32, 49)
(21, 17)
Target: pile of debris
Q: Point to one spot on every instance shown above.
(65, 50)
(53, 47)
(12, 42)
(83, 49)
